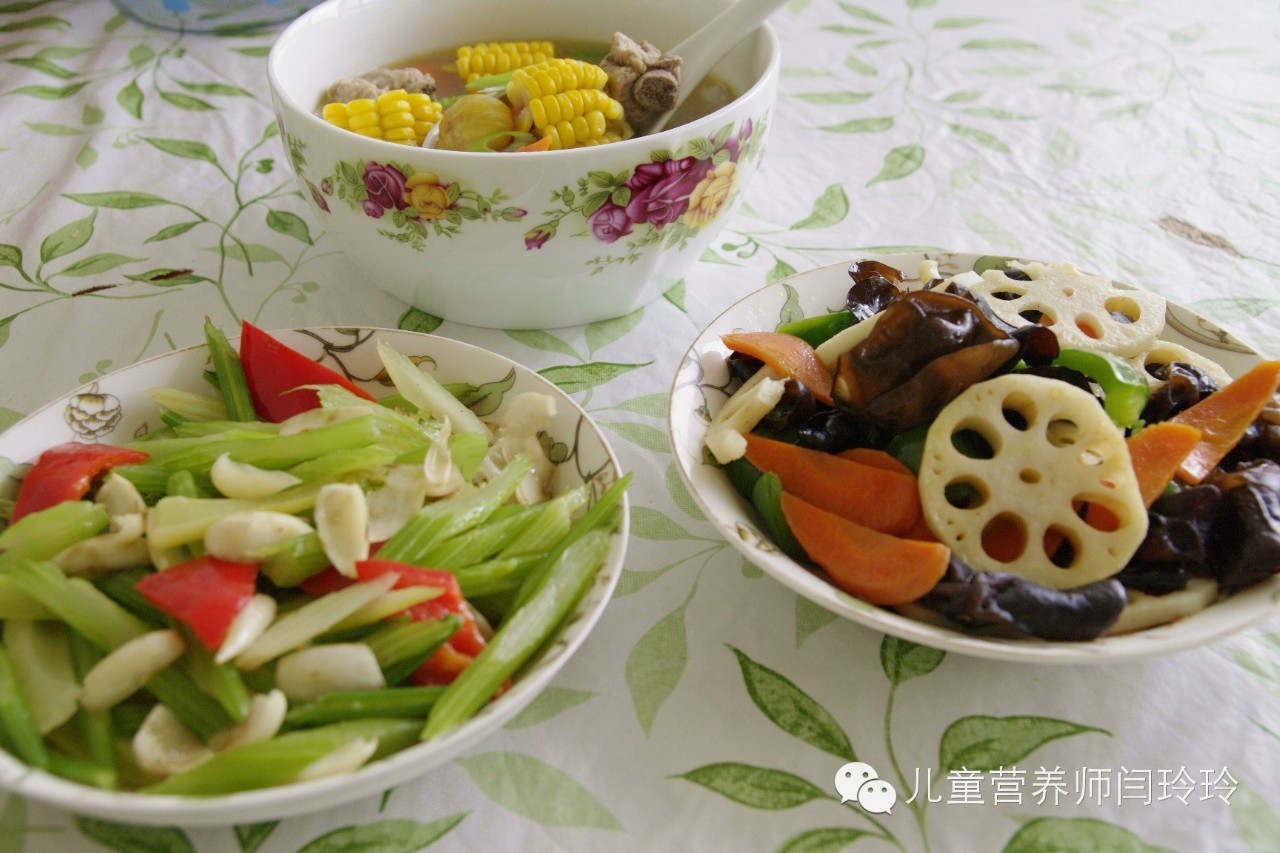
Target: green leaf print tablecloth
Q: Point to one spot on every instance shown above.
(144, 188)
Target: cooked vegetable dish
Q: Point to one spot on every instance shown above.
(286, 581)
(1014, 452)
(517, 96)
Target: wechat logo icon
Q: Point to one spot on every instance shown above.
(859, 782)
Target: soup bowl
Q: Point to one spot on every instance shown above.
(518, 240)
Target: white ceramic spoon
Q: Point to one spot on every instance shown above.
(708, 45)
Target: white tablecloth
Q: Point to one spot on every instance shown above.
(710, 710)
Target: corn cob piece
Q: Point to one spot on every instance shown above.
(396, 116)
(479, 60)
(553, 77)
(574, 119)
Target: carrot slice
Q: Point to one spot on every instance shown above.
(543, 144)
(789, 355)
(1157, 451)
(887, 501)
(876, 459)
(1224, 415)
(876, 567)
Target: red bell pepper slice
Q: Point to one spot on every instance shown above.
(205, 594)
(66, 472)
(459, 650)
(274, 373)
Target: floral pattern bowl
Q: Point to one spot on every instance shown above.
(556, 238)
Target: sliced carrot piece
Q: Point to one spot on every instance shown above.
(543, 144)
(876, 497)
(887, 501)
(789, 355)
(1157, 451)
(876, 567)
(876, 459)
(1223, 416)
(920, 531)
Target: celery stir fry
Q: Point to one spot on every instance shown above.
(288, 580)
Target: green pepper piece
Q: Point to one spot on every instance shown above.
(823, 327)
(1125, 390)
(742, 476)
(767, 497)
(908, 447)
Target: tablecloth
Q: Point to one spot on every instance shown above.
(711, 709)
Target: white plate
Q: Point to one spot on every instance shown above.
(698, 392)
(116, 407)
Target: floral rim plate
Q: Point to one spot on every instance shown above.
(698, 391)
(116, 407)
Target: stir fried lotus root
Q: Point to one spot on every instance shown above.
(1028, 475)
(1087, 311)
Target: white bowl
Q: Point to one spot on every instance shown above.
(697, 393)
(514, 249)
(124, 410)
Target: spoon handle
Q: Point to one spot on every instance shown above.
(709, 43)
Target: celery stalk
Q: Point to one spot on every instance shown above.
(176, 520)
(16, 604)
(555, 519)
(483, 541)
(601, 514)
(194, 407)
(462, 512)
(43, 534)
(400, 431)
(199, 711)
(183, 483)
(311, 620)
(41, 657)
(77, 602)
(221, 681)
(426, 393)
(293, 561)
(121, 587)
(16, 720)
(279, 760)
(340, 705)
(209, 429)
(260, 448)
(91, 773)
(521, 635)
(148, 479)
(342, 462)
(97, 734)
(401, 646)
(491, 577)
(230, 374)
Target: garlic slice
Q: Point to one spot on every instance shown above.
(316, 670)
(342, 522)
(120, 498)
(242, 480)
(122, 548)
(254, 618)
(397, 500)
(163, 746)
(265, 717)
(316, 418)
(126, 669)
(441, 477)
(345, 759)
(243, 536)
